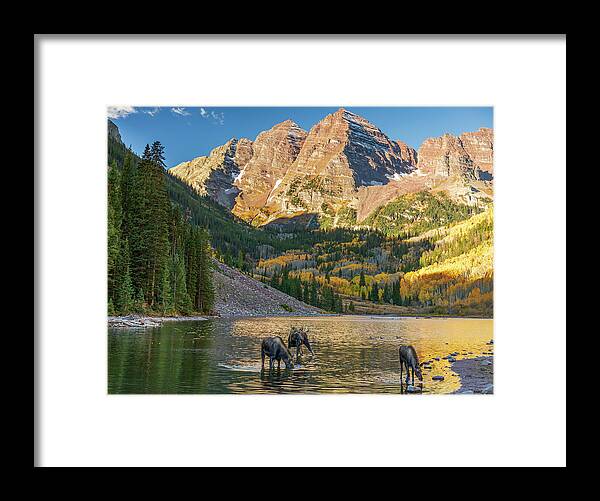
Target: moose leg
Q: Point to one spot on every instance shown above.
(413, 375)
(407, 372)
(262, 359)
(279, 364)
(270, 363)
(401, 364)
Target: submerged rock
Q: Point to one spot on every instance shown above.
(438, 378)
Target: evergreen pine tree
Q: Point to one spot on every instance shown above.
(114, 228)
(374, 296)
(124, 291)
(166, 294)
(362, 282)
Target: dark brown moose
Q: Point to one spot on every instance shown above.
(410, 360)
(274, 348)
(298, 337)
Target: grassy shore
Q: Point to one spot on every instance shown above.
(362, 307)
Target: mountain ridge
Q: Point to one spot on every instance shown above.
(344, 163)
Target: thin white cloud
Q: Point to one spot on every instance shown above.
(120, 111)
(180, 111)
(218, 118)
(152, 112)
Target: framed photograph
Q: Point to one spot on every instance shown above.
(315, 246)
(316, 250)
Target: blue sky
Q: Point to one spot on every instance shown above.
(189, 132)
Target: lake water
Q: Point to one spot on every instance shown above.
(353, 354)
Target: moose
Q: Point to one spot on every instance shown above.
(298, 337)
(410, 360)
(274, 348)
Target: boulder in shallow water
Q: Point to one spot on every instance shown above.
(438, 378)
(413, 389)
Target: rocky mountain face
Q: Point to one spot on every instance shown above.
(273, 152)
(342, 169)
(340, 154)
(215, 174)
(113, 131)
(460, 165)
(480, 147)
(409, 155)
(465, 155)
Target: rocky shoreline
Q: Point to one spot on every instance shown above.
(239, 295)
(476, 375)
(141, 321)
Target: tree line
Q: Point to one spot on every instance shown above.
(158, 261)
(311, 291)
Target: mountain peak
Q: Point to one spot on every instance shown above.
(347, 115)
(286, 123)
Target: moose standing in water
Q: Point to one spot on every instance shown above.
(410, 360)
(274, 348)
(298, 337)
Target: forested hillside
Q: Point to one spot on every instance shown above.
(157, 261)
(445, 270)
(414, 213)
(456, 274)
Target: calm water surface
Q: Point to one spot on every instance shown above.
(357, 354)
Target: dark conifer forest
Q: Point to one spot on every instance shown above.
(159, 261)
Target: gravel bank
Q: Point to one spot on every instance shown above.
(238, 295)
(476, 375)
(142, 321)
